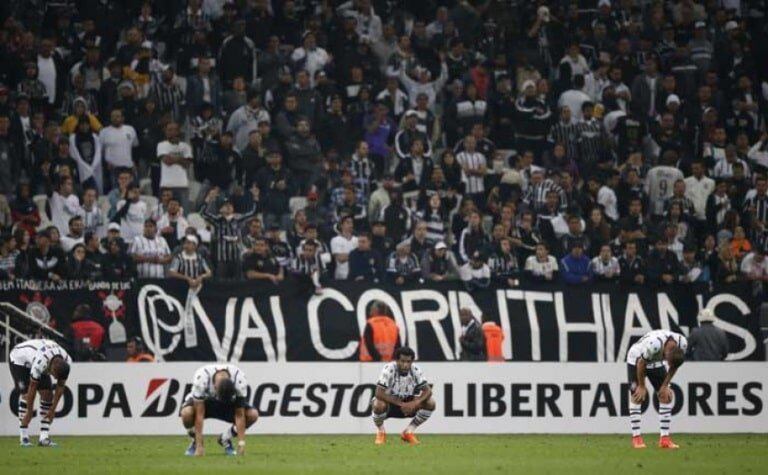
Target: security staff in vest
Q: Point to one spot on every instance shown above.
(472, 339)
(381, 337)
(494, 336)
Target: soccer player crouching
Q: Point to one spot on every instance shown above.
(219, 391)
(32, 364)
(647, 358)
(402, 392)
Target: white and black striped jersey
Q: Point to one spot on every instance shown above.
(536, 195)
(724, 169)
(503, 265)
(651, 347)
(436, 225)
(362, 171)
(760, 205)
(227, 232)
(473, 161)
(144, 246)
(590, 140)
(307, 266)
(603, 268)
(565, 133)
(403, 386)
(202, 382)
(37, 355)
(406, 267)
(191, 265)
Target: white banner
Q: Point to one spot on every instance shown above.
(296, 398)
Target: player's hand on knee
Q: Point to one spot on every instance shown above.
(665, 395)
(639, 395)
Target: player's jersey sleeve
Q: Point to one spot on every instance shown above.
(200, 382)
(241, 386)
(385, 378)
(418, 379)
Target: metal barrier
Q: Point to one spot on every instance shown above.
(18, 323)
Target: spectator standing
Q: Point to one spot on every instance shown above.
(117, 142)
(472, 339)
(707, 342)
(381, 336)
(227, 233)
(150, 252)
(175, 159)
(189, 265)
(342, 245)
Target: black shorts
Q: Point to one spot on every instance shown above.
(223, 411)
(21, 377)
(396, 412)
(655, 376)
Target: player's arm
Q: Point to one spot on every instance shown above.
(640, 392)
(381, 395)
(30, 397)
(240, 427)
(60, 385)
(199, 418)
(423, 396)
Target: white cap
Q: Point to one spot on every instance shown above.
(440, 245)
(731, 25)
(113, 227)
(604, 3)
(411, 113)
(673, 98)
(146, 44)
(192, 238)
(528, 83)
(706, 315)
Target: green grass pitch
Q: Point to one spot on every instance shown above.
(342, 454)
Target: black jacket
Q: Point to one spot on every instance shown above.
(473, 343)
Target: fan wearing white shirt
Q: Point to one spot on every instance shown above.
(574, 98)
(341, 245)
(117, 142)
(606, 197)
(131, 213)
(698, 187)
(175, 157)
(64, 205)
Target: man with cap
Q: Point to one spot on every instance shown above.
(475, 273)
(532, 120)
(707, 342)
(408, 134)
(439, 264)
(189, 265)
(403, 266)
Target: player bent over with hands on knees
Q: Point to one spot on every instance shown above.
(647, 358)
(218, 392)
(32, 363)
(402, 392)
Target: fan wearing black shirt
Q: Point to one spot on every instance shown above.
(258, 264)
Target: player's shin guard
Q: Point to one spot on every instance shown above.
(229, 433)
(421, 417)
(23, 433)
(635, 416)
(665, 418)
(45, 425)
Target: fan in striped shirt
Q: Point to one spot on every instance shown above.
(474, 167)
(565, 133)
(190, 266)
(403, 266)
(227, 233)
(538, 189)
(435, 218)
(308, 266)
(590, 138)
(505, 268)
(150, 252)
(362, 169)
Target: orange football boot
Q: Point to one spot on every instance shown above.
(665, 442)
(410, 438)
(381, 437)
(637, 442)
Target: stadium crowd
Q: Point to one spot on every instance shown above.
(384, 140)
